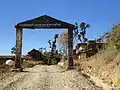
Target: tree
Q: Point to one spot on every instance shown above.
(105, 36)
(53, 54)
(13, 50)
(42, 50)
(63, 38)
(83, 27)
(63, 42)
(114, 38)
(81, 34)
(53, 43)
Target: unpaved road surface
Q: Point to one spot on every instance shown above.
(47, 78)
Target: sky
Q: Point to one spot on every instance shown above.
(100, 14)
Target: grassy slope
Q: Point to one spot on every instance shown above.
(105, 65)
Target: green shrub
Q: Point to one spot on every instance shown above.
(114, 39)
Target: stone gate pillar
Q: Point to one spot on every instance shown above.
(19, 33)
(70, 48)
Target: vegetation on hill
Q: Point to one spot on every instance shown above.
(114, 38)
(105, 64)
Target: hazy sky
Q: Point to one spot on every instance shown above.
(100, 14)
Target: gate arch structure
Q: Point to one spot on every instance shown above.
(43, 22)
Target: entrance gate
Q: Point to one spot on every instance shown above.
(43, 22)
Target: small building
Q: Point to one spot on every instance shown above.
(85, 50)
(91, 44)
(36, 55)
(83, 45)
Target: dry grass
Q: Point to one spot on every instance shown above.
(31, 63)
(26, 64)
(4, 68)
(105, 65)
(5, 71)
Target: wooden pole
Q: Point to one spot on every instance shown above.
(19, 32)
(70, 48)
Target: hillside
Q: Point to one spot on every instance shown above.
(105, 64)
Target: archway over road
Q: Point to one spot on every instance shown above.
(43, 22)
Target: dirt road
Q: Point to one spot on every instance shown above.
(47, 78)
